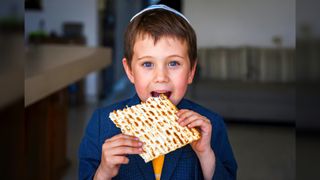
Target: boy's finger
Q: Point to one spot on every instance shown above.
(185, 115)
(119, 136)
(126, 142)
(203, 125)
(125, 150)
(195, 123)
(189, 119)
(181, 111)
(120, 160)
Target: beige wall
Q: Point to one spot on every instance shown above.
(245, 22)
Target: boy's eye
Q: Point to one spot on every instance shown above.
(147, 64)
(174, 63)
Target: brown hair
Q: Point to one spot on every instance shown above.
(159, 23)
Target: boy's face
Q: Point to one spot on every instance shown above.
(158, 68)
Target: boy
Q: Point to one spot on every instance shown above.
(160, 58)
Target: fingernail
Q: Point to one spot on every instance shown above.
(140, 143)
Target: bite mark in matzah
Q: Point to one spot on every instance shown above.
(154, 122)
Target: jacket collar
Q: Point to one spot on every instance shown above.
(171, 159)
(133, 100)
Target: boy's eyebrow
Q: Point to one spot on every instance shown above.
(175, 55)
(145, 57)
(149, 57)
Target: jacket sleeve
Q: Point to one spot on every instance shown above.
(226, 166)
(90, 150)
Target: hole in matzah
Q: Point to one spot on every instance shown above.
(168, 133)
(178, 138)
(146, 137)
(150, 119)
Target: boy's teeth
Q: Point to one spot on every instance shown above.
(156, 94)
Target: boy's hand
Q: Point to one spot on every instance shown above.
(192, 119)
(114, 151)
(202, 146)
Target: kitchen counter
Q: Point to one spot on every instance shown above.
(49, 68)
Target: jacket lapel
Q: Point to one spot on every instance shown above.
(145, 168)
(170, 162)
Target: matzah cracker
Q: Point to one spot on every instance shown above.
(155, 124)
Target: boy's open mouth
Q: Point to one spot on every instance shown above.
(156, 94)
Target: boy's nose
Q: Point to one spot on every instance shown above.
(161, 75)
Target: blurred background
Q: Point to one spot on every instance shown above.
(62, 59)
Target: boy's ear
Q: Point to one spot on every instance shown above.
(128, 70)
(192, 73)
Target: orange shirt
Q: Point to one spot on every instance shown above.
(157, 164)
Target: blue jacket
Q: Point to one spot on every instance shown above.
(179, 164)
